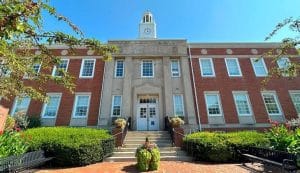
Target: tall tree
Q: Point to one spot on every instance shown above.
(21, 31)
(292, 68)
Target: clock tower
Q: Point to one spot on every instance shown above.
(147, 28)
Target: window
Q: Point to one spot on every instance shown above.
(175, 69)
(283, 64)
(87, 68)
(50, 109)
(20, 105)
(233, 67)
(36, 69)
(242, 103)
(207, 67)
(119, 68)
(81, 106)
(4, 70)
(259, 67)
(271, 103)
(63, 66)
(295, 95)
(116, 106)
(178, 105)
(147, 68)
(213, 105)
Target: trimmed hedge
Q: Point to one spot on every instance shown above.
(71, 146)
(221, 147)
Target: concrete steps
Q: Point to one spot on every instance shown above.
(135, 139)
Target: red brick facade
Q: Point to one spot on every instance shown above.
(248, 82)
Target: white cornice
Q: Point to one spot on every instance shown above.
(236, 45)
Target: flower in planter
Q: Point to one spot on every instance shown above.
(120, 123)
(148, 156)
(176, 121)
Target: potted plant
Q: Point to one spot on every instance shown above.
(176, 122)
(148, 156)
(120, 123)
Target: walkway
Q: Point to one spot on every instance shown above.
(166, 167)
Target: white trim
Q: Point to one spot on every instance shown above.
(238, 64)
(153, 72)
(112, 106)
(248, 102)
(15, 105)
(291, 92)
(75, 104)
(219, 101)
(45, 105)
(82, 65)
(276, 102)
(123, 70)
(264, 65)
(54, 68)
(27, 77)
(287, 64)
(174, 106)
(179, 70)
(211, 65)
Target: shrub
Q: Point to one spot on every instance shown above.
(176, 121)
(120, 123)
(148, 156)
(280, 137)
(69, 146)
(21, 120)
(12, 143)
(9, 124)
(221, 147)
(34, 122)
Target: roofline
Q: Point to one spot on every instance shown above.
(235, 45)
(179, 39)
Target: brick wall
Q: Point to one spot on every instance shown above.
(248, 82)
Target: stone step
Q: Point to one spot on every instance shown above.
(162, 158)
(152, 138)
(162, 153)
(147, 135)
(159, 144)
(143, 141)
(160, 149)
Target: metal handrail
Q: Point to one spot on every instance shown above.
(126, 129)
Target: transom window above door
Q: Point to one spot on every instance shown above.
(148, 100)
(147, 69)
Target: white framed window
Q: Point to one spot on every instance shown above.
(283, 64)
(63, 66)
(4, 71)
(207, 67)
(87, 68)
(213, 104)
(259, 67)
(233, 67)
(81, 105)
(175, 68)
(271, 103)
(295, 96)
(116, 106)
(50, 108)
(178, 105)
(147, 69)
(119, 68)
(20, 105)
(36, 68)
(242, 103)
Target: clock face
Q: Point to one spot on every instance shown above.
(147, 31)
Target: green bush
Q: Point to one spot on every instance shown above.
(221, 147)
(147, 159)
(12, 143)
(34, 122)
(69, 146)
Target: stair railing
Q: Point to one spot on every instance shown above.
(128, 125)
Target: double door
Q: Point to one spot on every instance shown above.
(147, 117)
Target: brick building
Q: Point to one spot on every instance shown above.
(211, 85)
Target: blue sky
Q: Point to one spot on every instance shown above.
(194, 20)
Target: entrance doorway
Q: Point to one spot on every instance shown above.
(147, 113)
